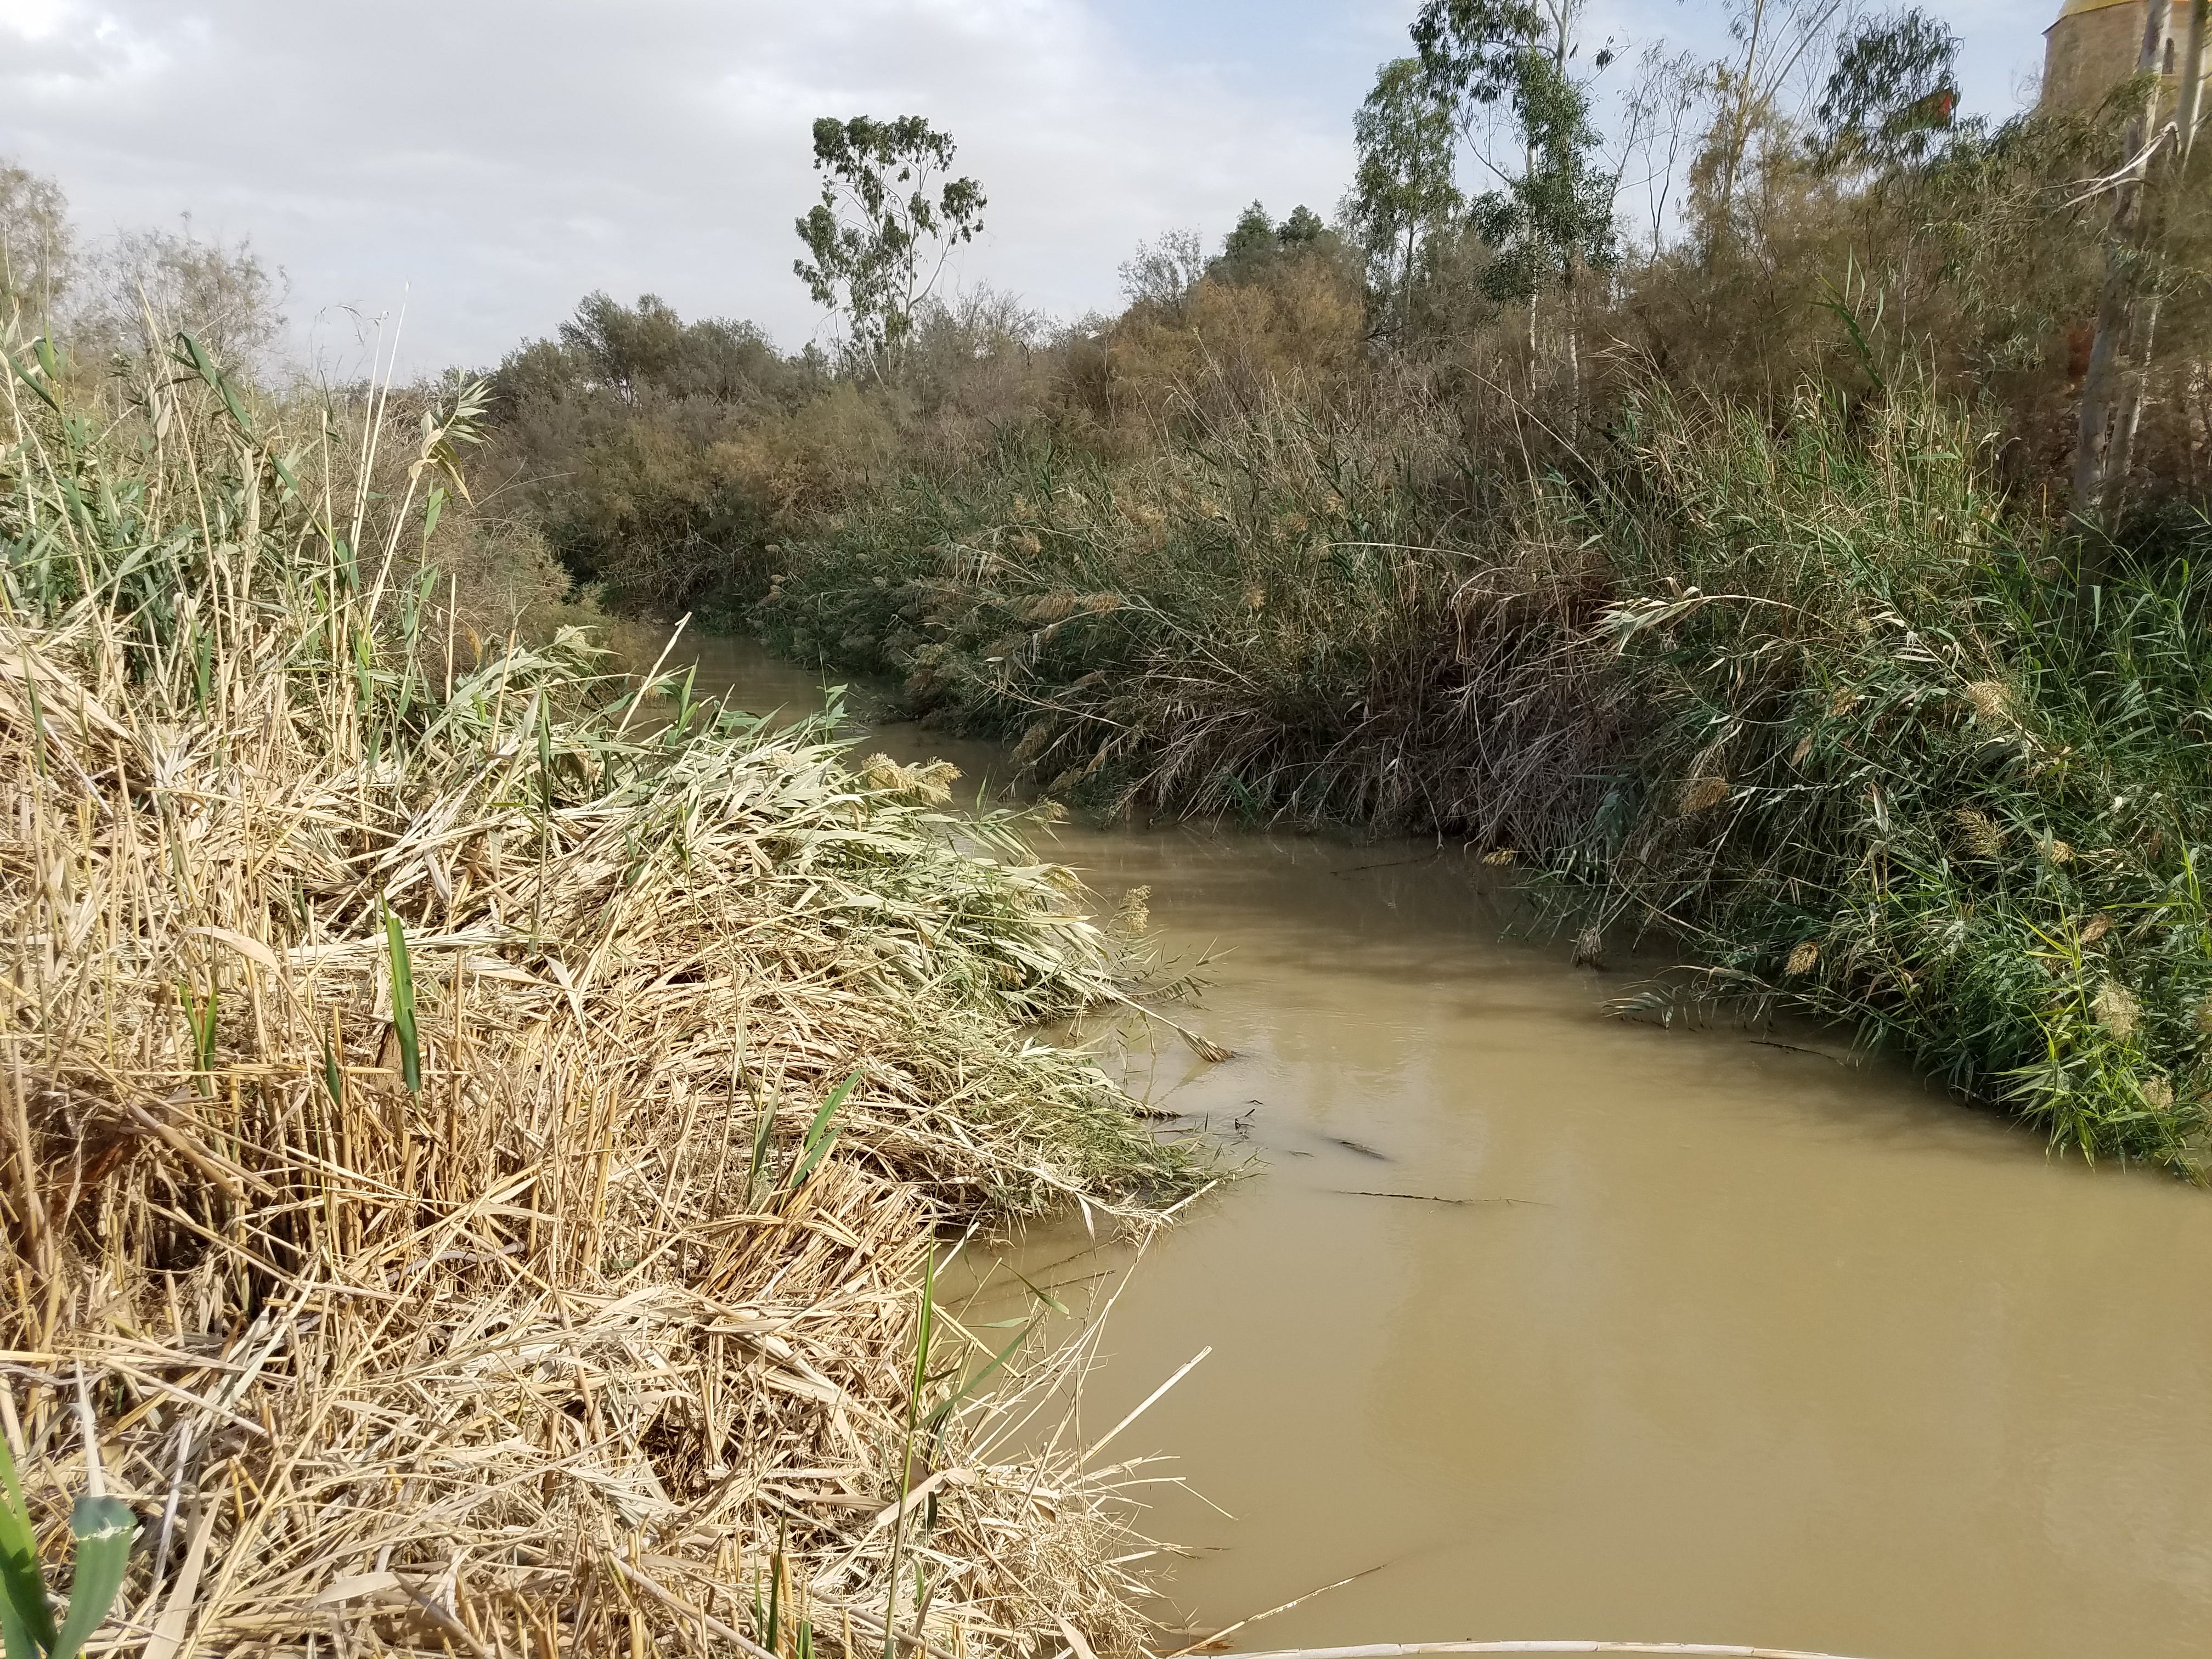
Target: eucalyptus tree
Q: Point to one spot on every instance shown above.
(1887, 122)
(890, 217)
(1511, 72)
(2146, 193)
(1777, 45)
(1403, 192)
(1890, 97)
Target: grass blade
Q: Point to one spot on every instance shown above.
(103, 1528)
(28, 1622)
(402, 1003)
(819, 1136)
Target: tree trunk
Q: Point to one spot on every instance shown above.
(1740, 118)
(2097, 482)
(2187, 110)
(2142, 334)
(2143, 331)
(1570, 307)
(1406, 288)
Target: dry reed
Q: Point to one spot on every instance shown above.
(415, 1100)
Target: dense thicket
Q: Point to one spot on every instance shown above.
(1799, 557)
(1730, 571)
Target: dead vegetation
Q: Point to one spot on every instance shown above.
(479, 1142)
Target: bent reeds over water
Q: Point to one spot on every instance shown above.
(479, 1147)
(1909, 756)
(1819, 700)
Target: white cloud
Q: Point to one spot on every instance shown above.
(495, 159)
(491, 161)
(33, 20)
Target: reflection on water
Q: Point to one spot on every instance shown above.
(1729, 1344)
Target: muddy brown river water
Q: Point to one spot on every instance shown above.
(1716, 1342)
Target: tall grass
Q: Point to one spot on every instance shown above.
(479, 1138)
(1895, 763)
(1284, 615)
(1812, 696)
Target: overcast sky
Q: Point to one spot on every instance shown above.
(486, 162)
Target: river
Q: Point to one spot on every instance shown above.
(1714, 1338)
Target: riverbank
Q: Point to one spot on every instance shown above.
(478, 1147)
(1821, 701)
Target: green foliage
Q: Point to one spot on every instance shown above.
(1554, 214)
(820, 1135)
(1256, 247)
(1811, 695)
(625, 436)
(403, 1001)
(1250, 239)
(887, 220)
(1888, 766)
(1703, 592)
(102, 1528)
(1248, 624)
(200, 1016)
(1894, 92)
(663, 460)
(647, 349)
(1403, 194)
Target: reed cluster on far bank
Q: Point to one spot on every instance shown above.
(1810, 582)
(1820, 700)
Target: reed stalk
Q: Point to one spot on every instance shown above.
(399, 1037)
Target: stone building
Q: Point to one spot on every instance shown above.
(2095, 44)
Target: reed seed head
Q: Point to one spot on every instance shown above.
(1700, 794)
(1991, 701)
(1983, 839)
(2117, 1009)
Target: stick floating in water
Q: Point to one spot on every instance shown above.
(1427, 1197)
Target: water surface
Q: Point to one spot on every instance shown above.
(1718, 1341)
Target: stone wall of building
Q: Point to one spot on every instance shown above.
(2093, 47)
